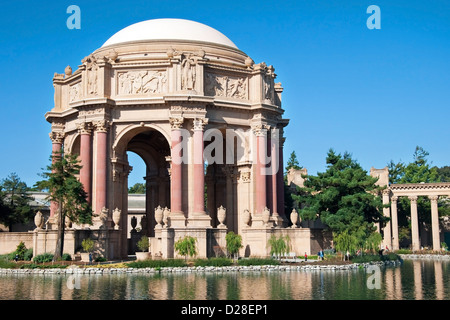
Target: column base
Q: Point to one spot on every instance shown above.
(177, 220)
(199, 220)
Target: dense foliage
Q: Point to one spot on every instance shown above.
(14, 201)
(345, 198)
(61, 181)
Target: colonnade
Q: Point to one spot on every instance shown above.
(431, 190)
(88, 165)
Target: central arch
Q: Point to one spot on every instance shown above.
(149, 143)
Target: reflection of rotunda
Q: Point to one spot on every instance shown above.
(163, 85)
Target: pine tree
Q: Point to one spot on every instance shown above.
(293, 162)
(65, 189)
(14, 201)
(345, 198)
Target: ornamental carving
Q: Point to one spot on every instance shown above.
(200, 123)
(142, 82)
(225, 86)
(188, 73)
(92, 75)
(245, 176)
(176, 122)
(57, 137)
(101, 126)
(75, 92)
(84, 127)
(268, 90)
(260, 129)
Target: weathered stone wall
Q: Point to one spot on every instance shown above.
(10, 240)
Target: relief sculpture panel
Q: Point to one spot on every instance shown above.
(75, 92)
(142, 82)
(225, 86)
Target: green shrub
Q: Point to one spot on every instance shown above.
(403, 251)
(20, 250)
(375, 257)
(213, 262)
(28, 255)
(100, 259)
(45, 257)
(366, 258)
(40, 266)
(186, 246)
(157, 263)
(66, 257)
(88, 245)
(258, 262)
(6, 263)
(143, 244)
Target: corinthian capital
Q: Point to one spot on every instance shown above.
(101, 126)
(199, 124)
(260, 129)
(84, 127)
(57, 136)
(176, 122)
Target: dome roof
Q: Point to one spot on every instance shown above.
(169, 29)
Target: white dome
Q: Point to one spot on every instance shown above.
(169, 29)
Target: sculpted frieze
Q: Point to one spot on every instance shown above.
(225, 86)
(75, 92)
(142, 82)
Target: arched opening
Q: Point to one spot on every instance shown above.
(145, 149)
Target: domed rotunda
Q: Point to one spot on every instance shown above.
(206, 120)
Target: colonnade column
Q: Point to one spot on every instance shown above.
(280, 180)
(414, 224)
(199, 218)
(260, 176)
(177, 218)
(85, 131)
(394, 220)
(101, 131)
(57, 141)
(387, 228)
(199, 167)
(435, 222)
(276, 167)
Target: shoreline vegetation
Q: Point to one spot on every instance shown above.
(332, 261)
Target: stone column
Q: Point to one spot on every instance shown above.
(57, 141)
(414, 224)
(387, 229)
(280, 180)
(177, 218)
(260, 176)
(199, 218)
(395, 243)
(435, 223)
(101, 130)
(199, 167)
(85, 131)
(275, 166)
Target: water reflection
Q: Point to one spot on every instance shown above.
(413, 280)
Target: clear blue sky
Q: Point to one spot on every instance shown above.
(374, 93)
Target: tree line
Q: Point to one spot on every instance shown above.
(347, 200)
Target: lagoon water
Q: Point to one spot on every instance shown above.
(413, 280)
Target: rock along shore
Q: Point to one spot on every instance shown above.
(425, 256)
(264, 268)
